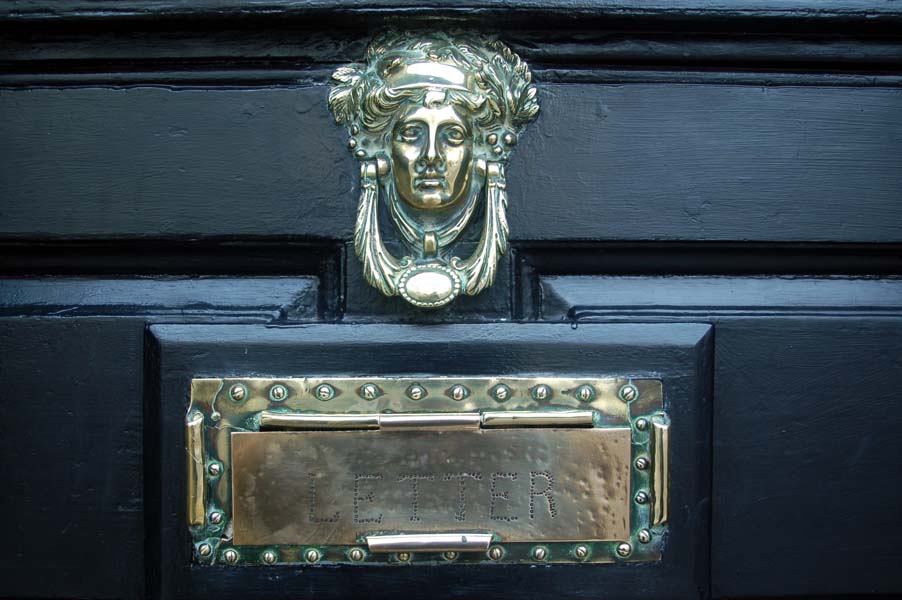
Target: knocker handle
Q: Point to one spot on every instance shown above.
(432, 120)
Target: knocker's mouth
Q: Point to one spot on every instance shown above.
(430, 183)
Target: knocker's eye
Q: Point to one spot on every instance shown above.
(410, 133)
(455, 136)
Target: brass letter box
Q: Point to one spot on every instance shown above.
(397, 470)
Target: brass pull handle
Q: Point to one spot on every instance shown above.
(438, 420)
(429, 542)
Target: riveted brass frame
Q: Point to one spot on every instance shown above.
(380, 421)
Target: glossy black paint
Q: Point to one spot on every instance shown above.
(680, 354)
(731, 164)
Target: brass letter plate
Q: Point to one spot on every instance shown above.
(403, 470)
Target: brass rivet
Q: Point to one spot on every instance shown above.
(352, 143)
(450, 555)
(404, 556)
(205, 549)
(501, 392)
(541, 393)
(539, 553)
(497, 150)
(644, 536)
(356, 554)
(510, 139)
(492, 138)
(585, 393)
(369, 391)
(360, 154)
(459, 392)
(642, 463)
(278, 392)
(216, 518)
(215, 469)
(311, 555)
(416, 392)
(238, 392)
(496, 552)
(324, 392)
(628, 392)
(230, 556)
(269, 557)
(581, 552)
(642, 498)
(642, 424)
(354, 130)
(624, 549)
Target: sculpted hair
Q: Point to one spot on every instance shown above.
(501, 94)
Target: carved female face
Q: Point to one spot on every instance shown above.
(431, 153)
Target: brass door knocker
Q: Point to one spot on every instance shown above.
(432, 119)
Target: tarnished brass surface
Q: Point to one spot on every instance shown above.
(196, 484)
(332, 488)
(544, 411)
(433, 118)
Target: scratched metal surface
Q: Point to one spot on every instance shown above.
(331, 488)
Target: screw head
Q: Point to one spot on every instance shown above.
(585, 393)
(215, 469)
(581, 552)
(624, 549)
(450, 555)
(311, 555)
(642, 463)
(642, 424)
(238, 392)
(496, 552)
(324, 392)
(501, 392)
(205, 549)
(404, 556)
(356, 554)
(541, 393)
(369, 391)
(459, 392)
(269, 557)
(416, 392)
(539, 553)
(644, 536)
(642, 498)
(230, 556)
(278, 392)
(216, 518)
(628, 392)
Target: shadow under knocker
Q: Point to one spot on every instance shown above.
(433, 118)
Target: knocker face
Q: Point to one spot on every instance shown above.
(431, 154)
(432, 117)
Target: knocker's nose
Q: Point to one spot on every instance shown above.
(431, 161)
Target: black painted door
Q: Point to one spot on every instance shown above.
(711, 192)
